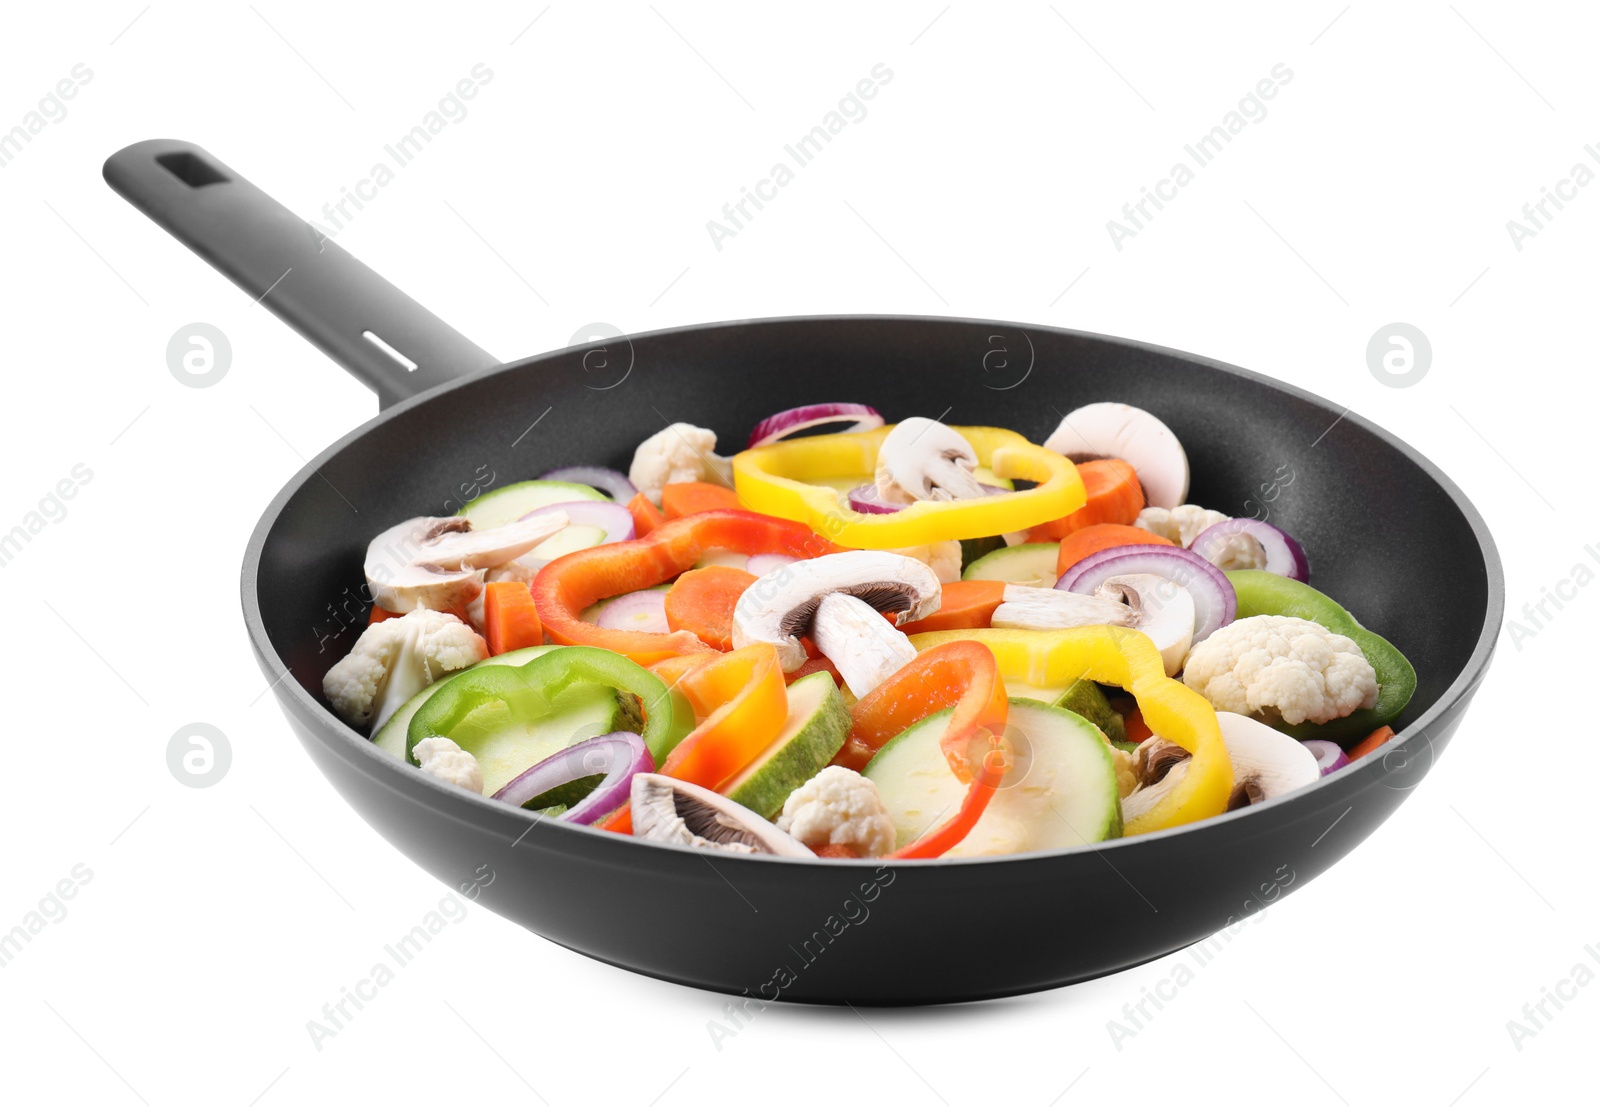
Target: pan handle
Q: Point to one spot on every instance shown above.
(367, 326)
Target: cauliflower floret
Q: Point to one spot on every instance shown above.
(1288, 668)
(944, 557)
(442, 758)
(1127, 770)
(394, 660)
(839, 807)
(680, 453)
(1182, 524)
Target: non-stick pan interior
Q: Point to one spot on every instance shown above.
(1384, 536)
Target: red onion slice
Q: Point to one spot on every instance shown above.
(612, 517)
(864, 499)
(1215, 602)
(780, 425)
(619, 756)
(613, 483)
(644, 612)
(1330, 757)
(1284, 554)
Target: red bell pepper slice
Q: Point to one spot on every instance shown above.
(568, 584)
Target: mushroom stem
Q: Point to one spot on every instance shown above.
(864, 648)
(1045, 608)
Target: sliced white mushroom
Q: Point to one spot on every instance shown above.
(781, 606)
(1045, 608)
(926, 459)
(1160, 766)
(1162, 609)
(439, 563)
(667, 810)
(1266, 763)
(862, 646)
(1115, 430)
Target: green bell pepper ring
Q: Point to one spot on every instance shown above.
(1268, 593)
(528, 693)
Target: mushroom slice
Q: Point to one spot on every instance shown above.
(1045, 608)
(1116, 430)
(782, 605)
(1162, 609)
(862, 646)
(925, 459)
(439, 563)
(1160, 765)
(1266, 763)
(672, 811)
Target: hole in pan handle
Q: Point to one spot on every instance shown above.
(294, 269)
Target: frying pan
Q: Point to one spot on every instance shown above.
(1391, 537)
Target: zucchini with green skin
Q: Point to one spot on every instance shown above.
(1267, 593)
(1061, 789)
(1032, 565)
(516, 500)
(816, 730)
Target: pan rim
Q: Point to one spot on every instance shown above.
(483, 810)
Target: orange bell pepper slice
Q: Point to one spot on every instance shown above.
(743, 704)
(568, 584)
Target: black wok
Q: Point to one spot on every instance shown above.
(1390, 535)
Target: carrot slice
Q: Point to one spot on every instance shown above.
(380, 615)
(645, 515)
(1371, 742)
(1091, 539)
(1114, 496)
(678, 500)
(510, 620)
(702, 601)
(963, 605)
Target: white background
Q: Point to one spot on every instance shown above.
(1377, 189)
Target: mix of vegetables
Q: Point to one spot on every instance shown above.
(891, 641)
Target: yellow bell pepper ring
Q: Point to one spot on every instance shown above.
(1130, 660)
(785, 481)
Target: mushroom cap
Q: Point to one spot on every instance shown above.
(1116, 430)
(439, 563)
(1163, 610)
(926, 459)
(668, 810)
(780, 607)
(1266, 763)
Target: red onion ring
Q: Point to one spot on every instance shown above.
(613, 483)
(612, 517)
(780, 425)
(1215, 602)
(1284, 554)
(1330, 758)
(619, 756)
